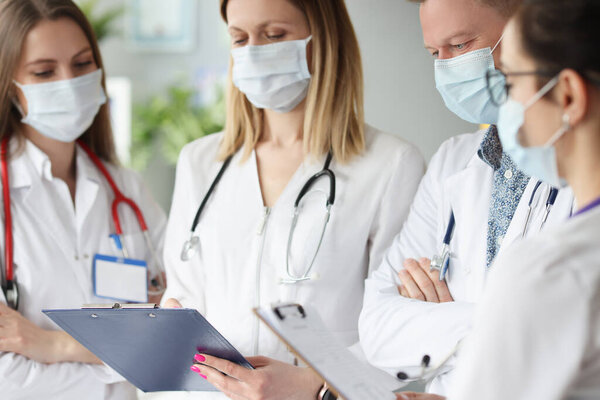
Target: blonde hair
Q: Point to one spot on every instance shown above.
(334, 117)
(17, 18)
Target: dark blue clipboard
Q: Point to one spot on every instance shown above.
(153, 348)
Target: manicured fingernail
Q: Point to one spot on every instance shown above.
(204, 376)
(195, 369)
(176, 306)
(199, 358)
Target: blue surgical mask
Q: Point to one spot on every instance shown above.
(462, 83)
(537, 161)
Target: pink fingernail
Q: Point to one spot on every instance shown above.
(200, 358)
(204, 376)
(195, 369)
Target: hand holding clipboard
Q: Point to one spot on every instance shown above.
(164, 340)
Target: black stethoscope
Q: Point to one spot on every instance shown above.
(190, 246)
(441, 262)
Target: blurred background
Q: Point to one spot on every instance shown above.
(166, 64)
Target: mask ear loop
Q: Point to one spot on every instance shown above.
(497, 43)
(542, 92)
(566, 127)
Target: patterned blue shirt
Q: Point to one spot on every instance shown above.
(509, 185)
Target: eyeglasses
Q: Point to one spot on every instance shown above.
(498, 86)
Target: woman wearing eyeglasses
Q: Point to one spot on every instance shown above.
(309, 196)
(537, 332)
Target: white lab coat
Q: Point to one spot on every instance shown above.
(242, 253)
(536, 333)
(54, 243)
(396, 332)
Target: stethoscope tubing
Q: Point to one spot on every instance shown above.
(190, 245)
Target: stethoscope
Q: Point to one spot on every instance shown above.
(190, 246)
(441, 262)
(9, 284)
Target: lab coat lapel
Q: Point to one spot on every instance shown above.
(469, 193)
(37, 201)
(26, 187)
(517, 224)
(54, 222)
(88, 182)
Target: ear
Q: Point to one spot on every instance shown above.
(573, 95)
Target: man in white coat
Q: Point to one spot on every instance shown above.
(408, 312)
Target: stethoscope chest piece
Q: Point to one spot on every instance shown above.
(190, 248)
(12, 294)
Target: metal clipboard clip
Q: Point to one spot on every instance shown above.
(289, 310)
(120, 306)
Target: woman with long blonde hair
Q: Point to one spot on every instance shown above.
(56, 155)
(300, 198)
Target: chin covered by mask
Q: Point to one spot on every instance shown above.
(461, 81)
(63, 110)
(273, 76)
(537, 161)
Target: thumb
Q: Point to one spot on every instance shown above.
(172, 303)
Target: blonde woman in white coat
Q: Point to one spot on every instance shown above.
(295, 101)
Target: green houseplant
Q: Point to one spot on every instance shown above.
(172, 121)
(102, 22)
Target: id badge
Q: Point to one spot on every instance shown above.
(119, 278)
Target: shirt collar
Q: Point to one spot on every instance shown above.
(490, 149)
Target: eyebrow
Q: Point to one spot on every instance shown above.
(449, 38)
(264, 24)
(49, 60)
(460, 34)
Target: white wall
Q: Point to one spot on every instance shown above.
(400, 92)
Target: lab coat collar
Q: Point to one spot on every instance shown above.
(86, 169)
(33, 161)
(26, 160)
(30, 168)
(476, 161)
